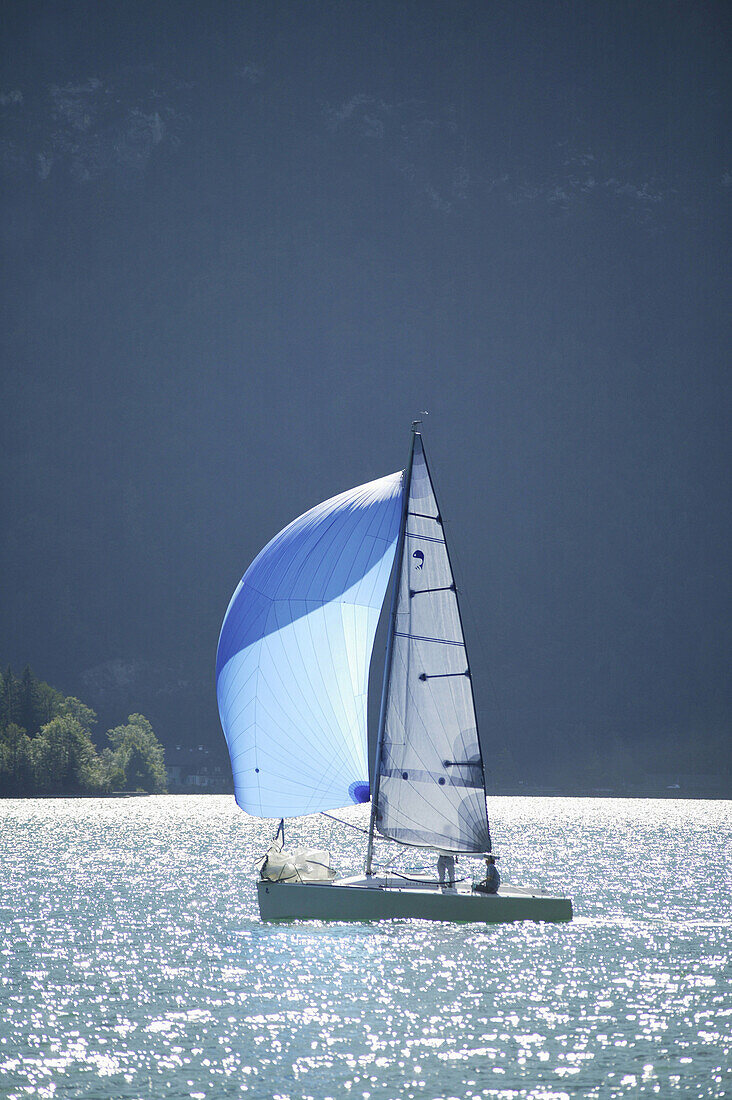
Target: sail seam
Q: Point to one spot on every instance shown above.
(419, 775)
(338, 757)
(425, 538)
(430, 748)
(430, 723)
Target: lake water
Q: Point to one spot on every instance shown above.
(134, 963)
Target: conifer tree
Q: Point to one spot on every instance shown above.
(46, 745)
(9, 698)
(28, 703)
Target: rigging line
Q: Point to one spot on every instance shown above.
(385, 865)
(391, 840)
(406, 488)
(439, 711)
(477, 634)
(421, 638)
(425, 538)
(423, 515)
(462, 632)
(358, 829)
(428, 736)
(405, 655)
(440, 752)
(488, 664)
(427, 881)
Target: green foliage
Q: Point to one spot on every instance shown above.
(27, 702)
(9, 699)
(46, 745)
(113, 764)
(66, 759)
(17, 774)
(83, 714)
(139, 754)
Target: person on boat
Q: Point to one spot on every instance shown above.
(446, 869)
(492, 879)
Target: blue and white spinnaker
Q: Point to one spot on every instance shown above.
(294, 652)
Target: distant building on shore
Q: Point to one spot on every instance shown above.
(199, 779)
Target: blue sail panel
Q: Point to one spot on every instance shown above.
(294, 652)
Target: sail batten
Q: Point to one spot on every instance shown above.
(430, 781)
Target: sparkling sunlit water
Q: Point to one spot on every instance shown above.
(134, 963)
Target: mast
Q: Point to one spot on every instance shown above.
(390, 646)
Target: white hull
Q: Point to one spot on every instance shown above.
(361, 899)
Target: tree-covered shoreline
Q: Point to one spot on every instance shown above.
(47, 747)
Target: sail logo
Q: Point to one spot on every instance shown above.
(420, 558)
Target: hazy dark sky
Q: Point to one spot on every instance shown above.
(244, 244)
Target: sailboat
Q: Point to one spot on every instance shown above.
(292, 675)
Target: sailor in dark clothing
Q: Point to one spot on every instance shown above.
(492, 879)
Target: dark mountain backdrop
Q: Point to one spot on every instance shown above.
(244, 244)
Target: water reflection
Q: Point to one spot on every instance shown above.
(134, 962)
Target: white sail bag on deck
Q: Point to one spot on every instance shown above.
(298, 865)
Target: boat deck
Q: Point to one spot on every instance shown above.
(388, 897)
(430, 886)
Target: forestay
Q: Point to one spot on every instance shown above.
(294, 652)
(431, 789)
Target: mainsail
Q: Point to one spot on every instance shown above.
(294, 652)
(430, 787)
